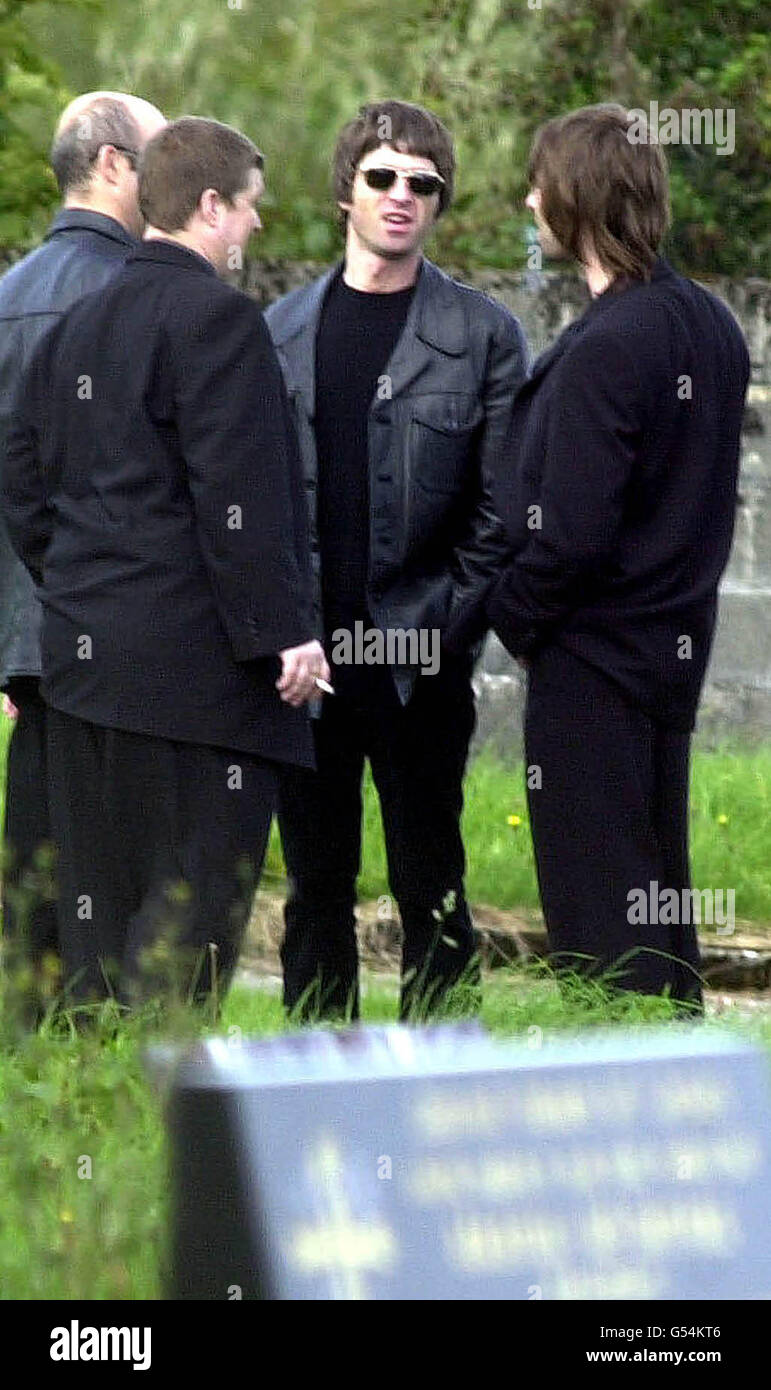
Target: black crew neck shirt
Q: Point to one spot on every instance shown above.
(357, 334)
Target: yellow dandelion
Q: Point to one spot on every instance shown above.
(66, 1217)
(514, 820)
(722, 819)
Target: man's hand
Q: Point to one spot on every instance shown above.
(299, 668)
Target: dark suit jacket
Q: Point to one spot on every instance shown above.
(435, 541)
(153, 489)
(81, 252)
(619, 490)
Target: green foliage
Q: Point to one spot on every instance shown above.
(500, 69)
(290, 72)
(287, 72)
(66, 1235)
(98, 1229)
(705, 57)
(31, 96)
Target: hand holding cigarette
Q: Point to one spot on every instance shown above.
(304, 670)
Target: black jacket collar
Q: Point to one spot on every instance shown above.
(169, 253)
(436, 317)
(662, 271)
(78, 219)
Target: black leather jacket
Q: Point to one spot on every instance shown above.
(81, 252)
(435, 540)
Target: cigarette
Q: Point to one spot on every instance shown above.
(323, 685)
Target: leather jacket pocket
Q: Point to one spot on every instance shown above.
(439, 447)
(439, 456)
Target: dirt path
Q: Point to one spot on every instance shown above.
(737, 967)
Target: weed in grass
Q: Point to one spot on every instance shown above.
(67, 1095)
(730, 826)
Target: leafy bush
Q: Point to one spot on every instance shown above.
(291, 72)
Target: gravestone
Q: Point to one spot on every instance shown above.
(439, 1163)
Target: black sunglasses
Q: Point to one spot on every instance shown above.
(422, 185)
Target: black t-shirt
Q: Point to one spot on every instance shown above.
(357, 334)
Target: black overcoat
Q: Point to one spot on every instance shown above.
(153, 489)
(618, 490)
(82, 250)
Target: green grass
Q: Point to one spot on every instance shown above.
(67, 1098)
(730, 783)
(730, 831)
(5, 732)
(731, 827)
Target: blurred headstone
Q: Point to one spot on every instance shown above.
(439, 1163)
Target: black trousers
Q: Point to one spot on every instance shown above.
(418, 756)
(29, 910)
(610, 816)
(160, 848)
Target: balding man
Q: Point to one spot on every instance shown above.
(163, 514)
(94, 157)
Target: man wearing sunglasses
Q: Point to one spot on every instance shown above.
(95, 150)
(402, 382)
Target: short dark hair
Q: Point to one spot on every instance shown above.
(409, 129)
(185, 158)
(106, 121)
(597, 184)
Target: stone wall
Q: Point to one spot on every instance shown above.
(737, 695)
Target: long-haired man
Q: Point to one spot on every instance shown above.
(618, 497)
